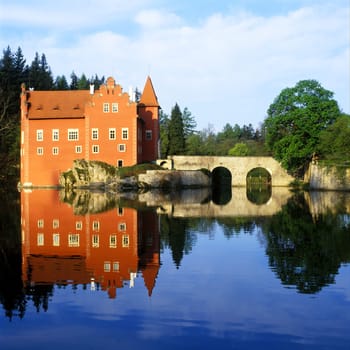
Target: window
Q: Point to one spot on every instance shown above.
(94, 134)
(120, 163)
(55, 134)
(125, 133)
(120, 211)
(95, 241)
(73, 240)
(95, 148)
(112, 134)
(107, 266)
(55, 151)
(39, 151)
(40, 223)
(105, 107)
(125, 241)
(55, 223)
(40, 239)
(40, 135)
(122, 226)
(73, 134)
(115, 107)
(121, 147)
(95, 225)
(113, 241)
(78, 149)
(148, 135)
(56, 239)
(78, 225)
(115, 266)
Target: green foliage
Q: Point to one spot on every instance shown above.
(137, 169)
(176, 132)
(335, 141)
(294, 123)
(239, 150)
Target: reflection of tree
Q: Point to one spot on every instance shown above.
(177, 234)
(40, 295)
(303, 252)
(11, 289)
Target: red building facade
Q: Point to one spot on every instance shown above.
(58, 127)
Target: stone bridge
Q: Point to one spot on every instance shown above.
(239, 167)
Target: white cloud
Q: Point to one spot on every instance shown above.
(227, 67)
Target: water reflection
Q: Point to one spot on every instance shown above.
(105, 241)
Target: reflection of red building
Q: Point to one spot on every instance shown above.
(106, 249)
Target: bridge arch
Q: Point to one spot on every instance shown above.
(258, 185)
(221, 185)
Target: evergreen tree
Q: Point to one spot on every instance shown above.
(74, 81)
(176, 132)
(164, 134)
(61, 83)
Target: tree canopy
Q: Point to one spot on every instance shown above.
(295, 120)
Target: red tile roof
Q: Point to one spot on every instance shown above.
(57, 104)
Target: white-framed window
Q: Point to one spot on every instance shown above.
(56, 239)
(125, 133)
(120, 211)
(106, 266)
(148, 135)
(94, 133)
(40, 223)
(122, 147)
(78, 149)
(113, 241)
(115, 266)
(40, 239)
(95, 148)
(122, 226)
(55, 151)
(79, 225)
(73, 240)
(40, 151)
(55, 223)
(119, 163)
(95, 241)
(106, 108)
(40, 135)
(115, 107)
(22, 137)
(96, 225)
(73, 134)
(125, 241)
(112, 133)
(55, 135)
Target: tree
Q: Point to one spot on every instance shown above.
(294, 122)
(164, 134)
(40, 76)
(239, 150)
(74, 81)
(335, 140)
(189, 122)
(176, 132)
(61, 83)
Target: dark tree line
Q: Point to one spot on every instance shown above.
(179, 137)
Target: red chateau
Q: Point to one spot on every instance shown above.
(58, 127)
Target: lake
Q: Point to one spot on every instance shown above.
(263, 269)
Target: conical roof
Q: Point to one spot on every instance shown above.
(149, 97)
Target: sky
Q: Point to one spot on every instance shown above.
(225, 60)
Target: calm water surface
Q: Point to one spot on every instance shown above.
(89, 270)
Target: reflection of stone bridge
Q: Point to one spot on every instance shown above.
(192, 203)
(239, 167)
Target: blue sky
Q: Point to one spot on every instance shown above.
(224, 60)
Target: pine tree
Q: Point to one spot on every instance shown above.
(176, 132)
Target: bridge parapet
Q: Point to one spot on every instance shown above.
(239, 167)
